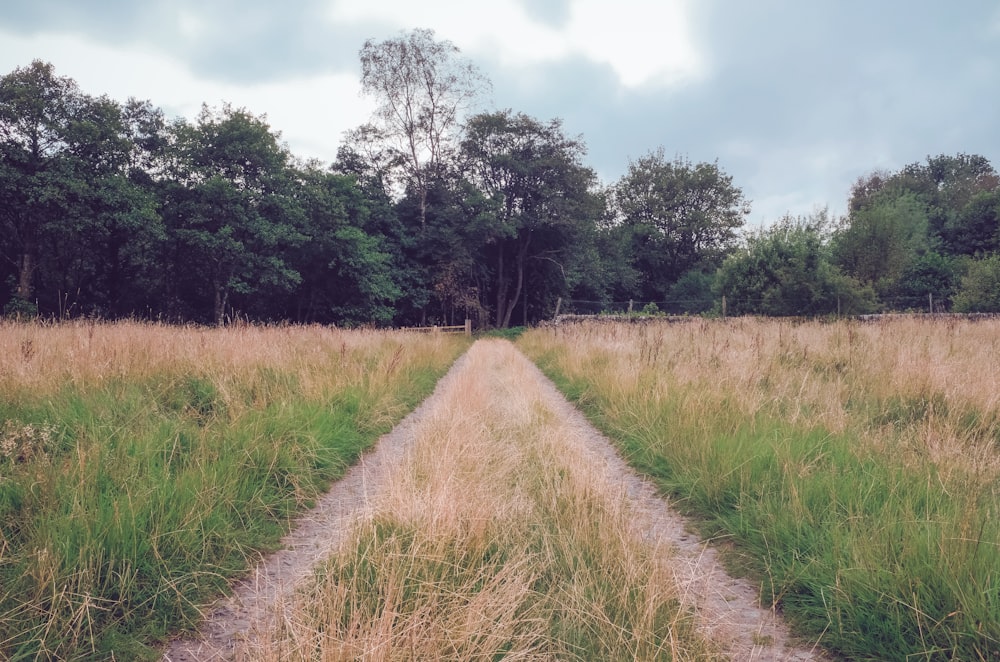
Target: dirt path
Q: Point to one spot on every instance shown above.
(316, 536)
(728, 608)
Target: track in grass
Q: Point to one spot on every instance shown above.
(725, 611)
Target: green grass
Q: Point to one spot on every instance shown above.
(129, 501)
(878, 551)
(510, 333)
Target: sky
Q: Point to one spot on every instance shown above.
(794, 99)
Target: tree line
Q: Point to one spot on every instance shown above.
(926, 237)
(435, 211)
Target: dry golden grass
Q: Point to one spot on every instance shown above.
(241, 362)
(497, 539)
(46, 357)
(814, 374)
(855, 464)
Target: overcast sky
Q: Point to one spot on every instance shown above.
(795, 99)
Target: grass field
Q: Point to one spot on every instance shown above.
(142, 466)
(853, 469)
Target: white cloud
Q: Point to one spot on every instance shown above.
(190, 25)
(311, 113)
(100, 69)
(642, 41)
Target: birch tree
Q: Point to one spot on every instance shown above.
(422, 88)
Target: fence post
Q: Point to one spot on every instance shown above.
(630, 307)
(930, 302)
(558, 306)
(468, 326)
(723, 306)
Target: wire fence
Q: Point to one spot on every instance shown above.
(672, 307)
(726, 305)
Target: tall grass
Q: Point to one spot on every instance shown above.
(500, 538)
(143, 466)
(855, 466)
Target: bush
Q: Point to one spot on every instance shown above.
(786, 270)
(513, 333)
(20, 309)
(980, 288)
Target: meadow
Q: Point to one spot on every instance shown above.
(143, 466)
(851, 469)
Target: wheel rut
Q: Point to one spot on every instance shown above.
(728, 609)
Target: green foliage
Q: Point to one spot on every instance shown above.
(230, 211)
(109, 210)
(693, 293)
(543, 206)
(509, 333)
(917, 223)
(19, 309)
(681, 216)
(980, 287)
(347, 268)
(929, 274)
(605, 269)
(974, 229)
(785, 269)
(878, 243)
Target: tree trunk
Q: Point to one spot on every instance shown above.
(221, 300)
(26, 274)
(522, 257)
(524, 308)
(501, 286)
(517, 293)
(423, 205)
(115, 273)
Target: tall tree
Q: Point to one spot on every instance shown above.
(543, 198)
(881, 239)
(103, 252)
(957, 194)
(37, 113)
(76, 204)
(230, 212)
(422, 88)
(682, 215)
(909, 231)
